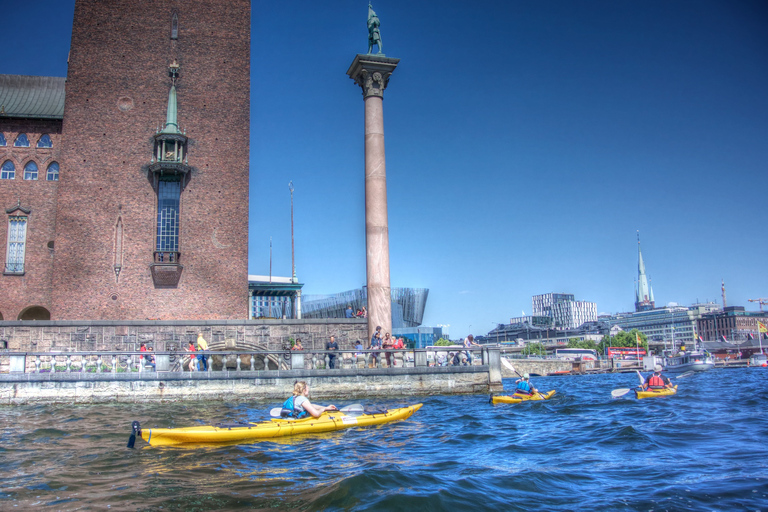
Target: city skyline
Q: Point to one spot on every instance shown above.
(526, 145)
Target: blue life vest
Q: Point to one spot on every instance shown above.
(289, 411)
(524, 388)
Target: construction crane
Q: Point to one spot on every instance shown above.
(761, 301)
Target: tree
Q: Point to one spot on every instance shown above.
(442, 342)
(577, 343)
(624, 339)
(534, 349)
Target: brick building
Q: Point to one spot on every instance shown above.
(147, 216)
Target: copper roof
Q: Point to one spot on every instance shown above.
(39, 97)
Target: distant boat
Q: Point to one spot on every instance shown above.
(697, 361)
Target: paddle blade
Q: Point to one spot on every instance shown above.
(616, 393)
(506, 363)
(686, 374)
(275, 412)
(640, 376)
(353, 409)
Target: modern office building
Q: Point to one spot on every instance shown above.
(565, 312)
(670, 326)
(421, 337)
(733, 325)
(407, 305)
(525, 332)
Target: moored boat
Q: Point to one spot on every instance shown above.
(651, 393)
(278, 427)
(697, 361)
(516, 398)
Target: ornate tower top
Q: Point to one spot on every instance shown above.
(644, 300)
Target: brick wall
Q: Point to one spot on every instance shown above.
(20, 293)
(117, 93)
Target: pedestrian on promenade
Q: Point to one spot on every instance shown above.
(202, 345)
(192, 359)
(375, 345)
(332, 345)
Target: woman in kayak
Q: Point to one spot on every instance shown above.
(302, 405)
(657, 380)
(524, 387)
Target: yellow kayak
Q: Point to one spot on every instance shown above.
(228, 433)
(516, 399)
(655, 392)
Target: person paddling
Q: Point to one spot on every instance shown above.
(299, 405)
(524, 386)
(657, 380)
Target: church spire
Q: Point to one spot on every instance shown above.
(644, 300)
(171, 123)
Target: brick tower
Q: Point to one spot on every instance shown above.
(152, 211)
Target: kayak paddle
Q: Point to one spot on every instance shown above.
(351, 409)
(616, 393)
(686, 374)
(512, 368)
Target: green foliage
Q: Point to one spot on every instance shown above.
(442, 342)
(577, 343)
(534, 349)
(623, 339)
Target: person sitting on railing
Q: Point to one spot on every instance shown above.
(142, 348)
(469, 341)
(151, 360)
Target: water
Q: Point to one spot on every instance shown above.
(704, 449)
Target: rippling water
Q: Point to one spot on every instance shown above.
(704, 449)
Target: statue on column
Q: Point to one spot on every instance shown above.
(374, 36)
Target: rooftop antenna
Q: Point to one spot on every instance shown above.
(270, 260)
(293, 259)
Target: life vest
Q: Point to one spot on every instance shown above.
(656, 382)
(523, 388)
(289, 411)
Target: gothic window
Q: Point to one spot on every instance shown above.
(175, 26)
(168, 198)
(30, 171)
(17, 240)
(53, 172)
(21, 141)
(2, 139)
(45, 141)
(8, 171)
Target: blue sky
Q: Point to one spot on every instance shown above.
(526, 143)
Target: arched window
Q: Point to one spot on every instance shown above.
(175, 26)
(30, 171)
(45, 141)
(53, 172)
(17, 241)
(8, 171)
(21, 141)
(2, 139)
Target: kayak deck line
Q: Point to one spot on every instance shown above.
(516, 399)
(329, 421)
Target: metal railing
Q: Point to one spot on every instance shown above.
(126, 362)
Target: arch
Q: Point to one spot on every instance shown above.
(8, 171)
(53, 172)
(45, 141)
(21, 141)
(35, 313)
(30, 170)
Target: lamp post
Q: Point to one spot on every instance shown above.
(293, 259)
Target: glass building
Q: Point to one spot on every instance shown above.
(407, 305)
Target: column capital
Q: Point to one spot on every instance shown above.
(372, 72)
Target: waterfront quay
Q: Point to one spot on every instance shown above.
(100, 362)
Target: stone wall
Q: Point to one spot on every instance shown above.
(42, 336)
(341, 385)
(540, 367)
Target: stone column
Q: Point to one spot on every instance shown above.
(371, 73)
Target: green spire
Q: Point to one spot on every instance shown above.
(171, 126)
